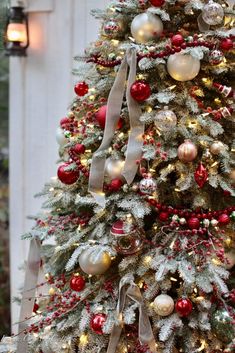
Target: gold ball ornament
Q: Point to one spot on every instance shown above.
(92, 264)
(187, 151)
(164, 305)
(183, 67)
(114, 167)
(217, 147)
(145, 27)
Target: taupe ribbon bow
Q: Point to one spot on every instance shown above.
(146, 336)
(135, 142)
(30, 284)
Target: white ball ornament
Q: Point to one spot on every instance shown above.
(60, 138)
(183, 67)
(165, 120)
(164, 305)
(145, 27)
(114, 167)
(93, 265)
(212, 13)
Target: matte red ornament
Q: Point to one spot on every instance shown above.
(67, 176)
(97, 323)
(164, 216)
(79, 148)
(184, 307)
(201, 175)
(81, 88)
(226, 44)
(116, 184)
(177, 40)
(157, 3)
(224, 219)
(101, 117)
(140, 91)
(193, 223)
(77, 283)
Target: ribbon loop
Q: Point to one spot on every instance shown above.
(146, 336)
(135, 142)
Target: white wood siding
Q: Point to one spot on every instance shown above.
(41, 87)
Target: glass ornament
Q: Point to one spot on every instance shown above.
(145, 27)
(213, 13)
(183, 67)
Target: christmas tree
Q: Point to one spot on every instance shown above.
(142, 212)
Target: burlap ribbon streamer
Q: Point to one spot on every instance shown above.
(146, 336)
(30, 283)
(135, 141)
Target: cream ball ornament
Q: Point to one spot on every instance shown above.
(60, 138)
(92, 264)
(183, 67)
(165, 120)
(145, 27)
(114, 167)
(217, 147)
(163, 305)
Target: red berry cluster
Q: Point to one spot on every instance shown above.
(69, 124)
(73, 153)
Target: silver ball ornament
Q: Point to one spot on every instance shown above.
(148, 186)
(212, 13)
(165, 120)
(60, 138)
(93, 265)
(183, 67)
(145, 27)
(187, 151)
(114, 168)
(163, 305)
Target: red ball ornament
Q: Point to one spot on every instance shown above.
(224, 219)
(77, 283)
(164, 216)
(140, 91)
(97, 323)
(66, 175)
(101, 117)
(184, 307)
(116, 184)
(177, 40)
(81, 88)
(79, 148)
(157, 3)
(64, 121)
(226, 44)
(193, 223)
(201, 175)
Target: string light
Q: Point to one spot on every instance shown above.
(83, 340)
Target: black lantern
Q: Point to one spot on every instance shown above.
(16, 39)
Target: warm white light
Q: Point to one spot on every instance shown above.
(16, 32)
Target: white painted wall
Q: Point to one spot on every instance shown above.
(41, 87)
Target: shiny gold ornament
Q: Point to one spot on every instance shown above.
(217, 147)
(92, 264)
(145, 27)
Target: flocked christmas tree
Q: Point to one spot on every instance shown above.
(142, 212)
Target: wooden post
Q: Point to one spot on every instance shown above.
(41, 87)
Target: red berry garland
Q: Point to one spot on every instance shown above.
(140, 91)
(67, 176)
(77, 283)
(194, 223)
(81, 88)
(97, 323)
(183, 307)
